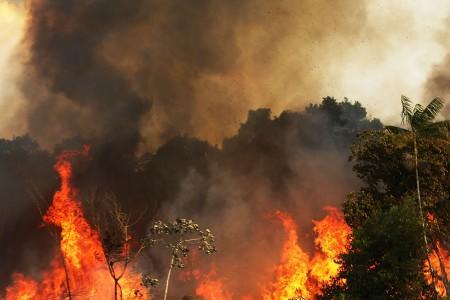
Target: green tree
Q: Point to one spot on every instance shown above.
(385, 162)
(385, 259)
(421, 123)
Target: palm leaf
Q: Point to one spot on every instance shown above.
(416, 120)
(406, 109)
(432, 110)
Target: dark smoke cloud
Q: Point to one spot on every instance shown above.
(96, 68)
(438, 84)
(86, 95)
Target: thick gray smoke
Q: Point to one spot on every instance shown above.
(149, 70)
(438, 84)
(86, 95)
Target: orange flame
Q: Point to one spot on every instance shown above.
(292, 273)
(81, 265)
(212, 288)
(434, 259)
(332, 240)
(298, 276)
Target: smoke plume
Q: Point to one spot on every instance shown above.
(438, 84)
(150, 70)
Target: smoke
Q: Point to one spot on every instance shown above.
(156, 69)
(12, 24)
(438, 80)
(197, 68)
(85, 95)
(438, 84)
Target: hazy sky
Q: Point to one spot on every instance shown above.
(403, 40)
(12, 21)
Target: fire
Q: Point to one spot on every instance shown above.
(332, 240)
(292, 273)
(434, 259)
(23, 289)
(212, 288)
(209, 285)
(298, 275)
(80, 270)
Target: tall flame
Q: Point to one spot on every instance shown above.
(298, 275)
(80, 269)
(434, 259)
(292, 272)
(332, 240)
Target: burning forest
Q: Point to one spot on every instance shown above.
(185, 150)
(85, 270)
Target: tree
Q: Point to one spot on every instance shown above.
(384, 161)
(113, 225)
(385, 259)
(177, 236)
(420, 121)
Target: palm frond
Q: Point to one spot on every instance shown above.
(416, 120)
(432, 110)
(407, 111)
(418, 109)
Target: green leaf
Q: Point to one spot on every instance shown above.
(432, 110)
(407, 111)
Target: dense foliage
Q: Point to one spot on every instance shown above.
(388, 251)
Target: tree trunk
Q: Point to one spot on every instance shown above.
(115, 289)
(422, 218)
(66, 273)
(168, 278)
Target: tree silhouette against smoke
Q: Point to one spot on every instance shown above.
(178, 237)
